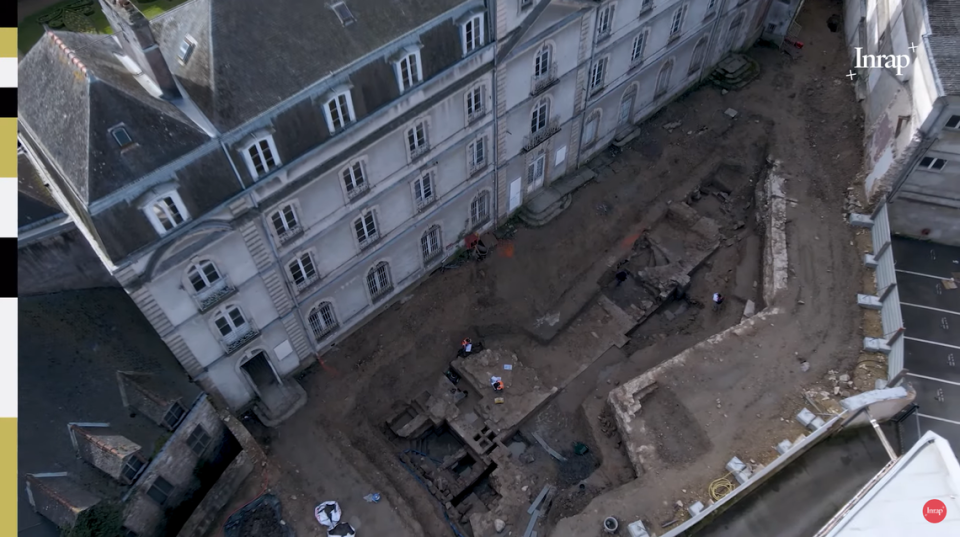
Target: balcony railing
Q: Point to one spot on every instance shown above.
(290, 234)
(540, 84)
(237, 339)
(382, 293)
(214, 294)
(369, 241)
(477, 167)
(531, 141)
(419, 151)
(358, 191)
(319, 334)
(306, 283)
(424, 203)
(476, 114)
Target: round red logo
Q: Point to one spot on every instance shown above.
(934, 511)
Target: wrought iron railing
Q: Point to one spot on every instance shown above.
(214, 294)
(540, 84)
(533, 140)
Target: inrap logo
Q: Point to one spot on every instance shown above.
(934, 511)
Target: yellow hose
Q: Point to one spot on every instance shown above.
(721, 487)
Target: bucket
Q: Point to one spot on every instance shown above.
(610, 525)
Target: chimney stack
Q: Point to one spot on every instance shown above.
(136, 38)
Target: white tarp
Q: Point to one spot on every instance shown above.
(328, 514)
(342, 530)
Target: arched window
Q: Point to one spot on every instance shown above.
(591, 128)
(203, 276)
(431, 244)
(663, 78)
(323, 320)
(379, 282)
(540, 115)
(480, 209)
(234, 328)
(542, 62)
(696, 60)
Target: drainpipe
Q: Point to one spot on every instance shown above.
(586, 95)
(492, 17)
(716, 37)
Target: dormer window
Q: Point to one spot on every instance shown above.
(408, 69)
(343, 13)
(174, 415)
(122, 137)
(166, 212)
(186, 49)
(472, 33)
(261, 157)
(339, 111)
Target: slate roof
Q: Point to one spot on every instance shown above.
(944, 18)
(253, 54)
(70, 99)
(34, 202)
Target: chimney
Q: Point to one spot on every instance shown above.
(133, 31)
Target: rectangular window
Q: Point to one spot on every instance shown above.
(354, 181)
(339, 112)
(285, 223)
(423, 191)
(186, 49)
(430, 244)
(408, 69)
(932, 164)
(302, 271)
(160, 490)
(122, 137)
(230, 322)
(477, 155)
(473, 34)
(636, 55)
(198, 440)
(474, 104)
(539, 118)
(132, 467)
(366, 229)
(480, 209)
(417, 140)
(597, 74)
(676, 24)
(261, 156)
(604, 22)
(168, 212)
(173, 416)
(953, 122)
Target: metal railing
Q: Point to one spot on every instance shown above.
(885, 272)
(239, 338)
(540, 84)
(214, 294)
(532, 140)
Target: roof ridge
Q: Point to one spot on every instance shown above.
(68, 52)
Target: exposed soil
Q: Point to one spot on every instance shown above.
(260, 521)
(679, 438)
(801, 111)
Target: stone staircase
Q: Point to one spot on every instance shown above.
(735, 71)
(553, 199)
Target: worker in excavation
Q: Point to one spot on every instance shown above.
(621, 277)
(466, 347)
(498, 386)
(717, 301)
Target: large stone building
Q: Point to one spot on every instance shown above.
(263, 177)
(912, 115)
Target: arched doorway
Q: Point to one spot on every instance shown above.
(626, 107)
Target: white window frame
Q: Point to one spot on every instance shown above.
(349, 177)
(187, 46)
(417, 149)
(953, 122)
(475, 105)
(477, 217)
(646, 6)
(473, 163)
(160, 202)
(638, 47)
(423, 197)
(541, 67)
(382, 289)
(598, 74)
(236, 330)
(474, 42)
(325, 324)
(398, 67)
(667, 67)
(595, 117)
(697, 63)
(306, 279)
(677, 20)
(199, 267)
(248, 157)
(605, 21)
(369, 238)
(431, 244)
(290, 230)
(541, 110)
(344, 110)
(931, 166)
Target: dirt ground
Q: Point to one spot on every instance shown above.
(802, 111)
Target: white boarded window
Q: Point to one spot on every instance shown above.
(339, 112)
(261, 157)
(167, 212)
(472, 33)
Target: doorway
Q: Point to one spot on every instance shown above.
(264, 379)
(733, 37)
(537, 172)
(626, 108)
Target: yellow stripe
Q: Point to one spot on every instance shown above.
(8, 149)
(8, 42)
(8, 476)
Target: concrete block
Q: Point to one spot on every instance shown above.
(731, 113)
(869, 261)
(784, 446)
(861, 400)
(744, 476)
(869, 302)
(750, 309)
(695, 509)
(735, 465)
(816, 423)
(637, 529)
(861, 220)
(872, 344)
(805, 417)
(880, 384)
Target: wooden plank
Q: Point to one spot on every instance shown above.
(531, 524)
(548, 449)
